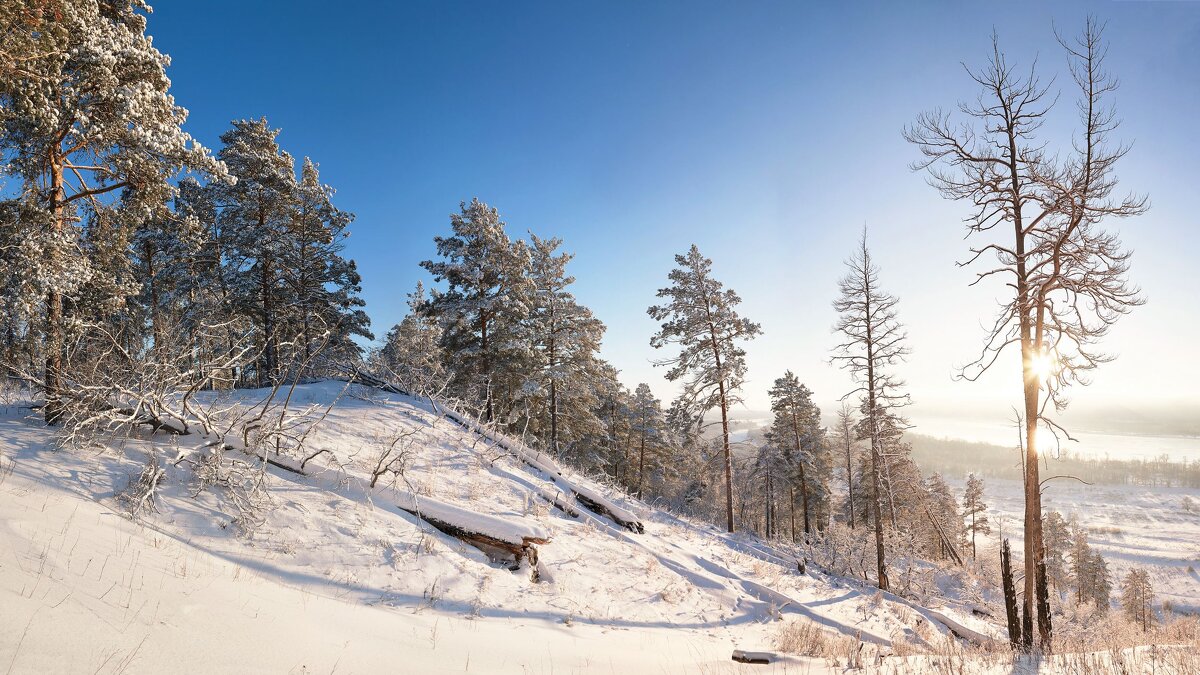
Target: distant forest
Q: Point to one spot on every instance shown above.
(955, 457)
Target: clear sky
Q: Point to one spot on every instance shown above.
(768, 133)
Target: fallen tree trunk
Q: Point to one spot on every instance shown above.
(502, 540)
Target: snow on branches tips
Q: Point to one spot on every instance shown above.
(700, 317)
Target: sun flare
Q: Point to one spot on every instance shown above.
(1042, 366)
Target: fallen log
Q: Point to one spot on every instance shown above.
(503, 541)
(618, 516)
(758, 658)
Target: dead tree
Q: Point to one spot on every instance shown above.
(1066, 274)
(873, 341)
(1010, 597)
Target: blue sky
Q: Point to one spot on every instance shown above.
(768, 133)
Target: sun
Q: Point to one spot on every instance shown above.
(1042, 365)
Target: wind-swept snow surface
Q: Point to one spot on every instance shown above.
(342, 577)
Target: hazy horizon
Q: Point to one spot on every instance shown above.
(634, 131)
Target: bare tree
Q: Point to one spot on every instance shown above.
(844, 433)
(873, 342)
(1065, 274)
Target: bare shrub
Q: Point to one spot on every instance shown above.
(140, 495)
(802, 637)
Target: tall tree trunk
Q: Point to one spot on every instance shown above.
(800, 465)
(728, 454)
(792, 509)
(876, 509)
(54, 301)
(849, 479)
(553, 394)
(641, 458)
(487, 366)
(156, 329)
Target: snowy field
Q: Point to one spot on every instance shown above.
(1131, 526)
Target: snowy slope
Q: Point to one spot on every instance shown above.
(340, 577)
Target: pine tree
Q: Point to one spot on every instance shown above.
(873, 343)
(411, 355)
(255, 212)
(1082, 565)
(941, 508)
(1057, 536)
(1102, 582)
(484, 307)
(1137, 598)
(566, 342)
(796, 430)
(648, 428)
(975, 510)
(701, 317)
(321, 287)
(73, 133)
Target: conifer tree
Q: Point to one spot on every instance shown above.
(796, 430)
(1137, 598)
(566, 342)
(975, 510)
(255, 213)
(700, 316)
(411, 354)
(75, 135)
(844, 438)
(484, 307)
(321, 287)
(648, 428)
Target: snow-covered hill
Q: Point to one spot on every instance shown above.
(340, 577)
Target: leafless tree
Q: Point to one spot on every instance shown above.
(873, 342)
(844, 433)
(1040, 215)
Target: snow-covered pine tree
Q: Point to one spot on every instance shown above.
(796, 430)
(208, 317)
(873, 343)
(1137, 598)
(484, 307)
(86, 113)
(975, 510)
(941, 510)
(1057, 535)
(700, 316)
(255, 212)
(1102, 582)
(322, 287)
(566, 344)
(411, 354)
(610, 447)
(769, 472)
(648, 431)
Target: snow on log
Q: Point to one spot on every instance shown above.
(502, 539)
(586, 497)
(602, 506)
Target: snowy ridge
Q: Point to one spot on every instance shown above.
(333, 552)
